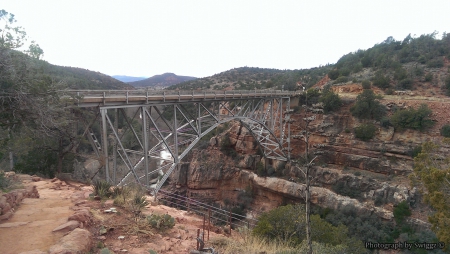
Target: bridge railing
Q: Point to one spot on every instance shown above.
(115, 93)
(133, 96)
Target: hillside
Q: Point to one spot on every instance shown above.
(410, 64)
(64, 76)
(78, 78)
(161, 81)
(249, 78)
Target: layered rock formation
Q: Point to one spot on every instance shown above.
(369, 176)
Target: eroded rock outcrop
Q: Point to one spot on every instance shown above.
(9, 201)
(77, 242)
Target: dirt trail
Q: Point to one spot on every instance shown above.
(30, 228)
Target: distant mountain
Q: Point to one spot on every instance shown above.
(163, 80)
(128, 79)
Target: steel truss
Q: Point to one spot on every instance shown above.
(168, 131)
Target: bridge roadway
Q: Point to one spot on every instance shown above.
(130, 98)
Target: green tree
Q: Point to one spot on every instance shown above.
(365, 84)
(331, 101)
(445, 131)
(14, 37)
(333, 74)
(11, 36)
(447, 85)
(36, 119)
(432, 174)
(380, 81)
(368, 106)
(365, 132)
(401, 211)
(416, 119)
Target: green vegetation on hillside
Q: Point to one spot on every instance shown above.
(396, 64)
(287, 224)
(416, 119)
(432, 175)
(248, 78)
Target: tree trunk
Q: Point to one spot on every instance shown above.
(11, 161)
(308, 212)
(60, 161)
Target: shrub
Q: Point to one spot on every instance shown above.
(389, 91)
(445, 131)
(341, 189)
(422, 59)
(412, 118)
(447, 85)
(260, 169)
(161, 222)
(418, 72)
(344, 71)
(406, 83)
(310, 97)
(102, 189)
(380, 81)
(137, 203)
(385, 122)
(367, 106)
(270, 170)
(435, 63)
(4, 182)
(365, 132)
(400, 73)
(341, 79)
(415, 151)
(287, 224)
(379, 201)
(331, 101)
(333, 74)
(366, 84)
(105, 251)
(401, 211)
(429, 77)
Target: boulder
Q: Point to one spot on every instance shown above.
(7, 215)
(83, 216)
(68, 226)
(76, 242)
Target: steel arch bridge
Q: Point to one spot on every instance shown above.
(164, 126)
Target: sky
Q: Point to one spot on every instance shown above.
(201, 38)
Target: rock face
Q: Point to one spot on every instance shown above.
(76, 242)
(370, 176)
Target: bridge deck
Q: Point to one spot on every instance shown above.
(114, 98)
